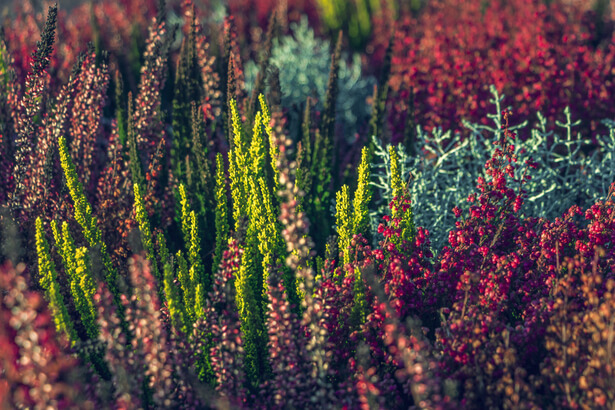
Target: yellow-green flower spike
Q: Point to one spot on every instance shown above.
(146, 232)
(221, 220)
(185, 213)
(363, 195)
(183, 275)
(396, 183)
(343, 220)
(87, 289)
(83, 215)
(49, 282)
(273, 147)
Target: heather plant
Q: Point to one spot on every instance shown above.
(464, 276)
(453, 50)
(443, 176)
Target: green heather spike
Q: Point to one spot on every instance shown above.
(238, 137)
(362, 197)
(250, 316)
(257, 148)
(49, 282)
(396, 182)
(177, 310)
(399, 191)
(76, 266)
(238, 165)
(203, 188)
(91, 232)
(57, 236)
(146, 234)
(196, 265)
(221, 221)
(358, 313)
(136, 167)
(320, 171)
(199, 302)
(173, 299)
(185, 214)
(273, 147)
(68, 252)
(83, 289)
(343, 220)
(183, 275)
(120, 104)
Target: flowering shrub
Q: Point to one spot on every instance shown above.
(445, 173)
(182, 248)
(549, 55)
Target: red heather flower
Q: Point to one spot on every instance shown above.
(291, 385)
(222, 321)
(210, 104)
(147, 110)
(84, 124)
(31, 105)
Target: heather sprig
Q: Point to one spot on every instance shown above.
(222, 319)
(188, 287)
(361, 220)
(147, 113)
(196, 272)
(290, 384)
(146, 232)
(90, 96)
(78, 271)
(141, 367)
(237, 168)
(300, 250)
(49, 282)
(32, 102)
(83, 289)
(83, 215)
(343, 221)
(221, 220)
(271, 143)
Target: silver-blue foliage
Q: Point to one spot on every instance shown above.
(444, 181)
(304, 61)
